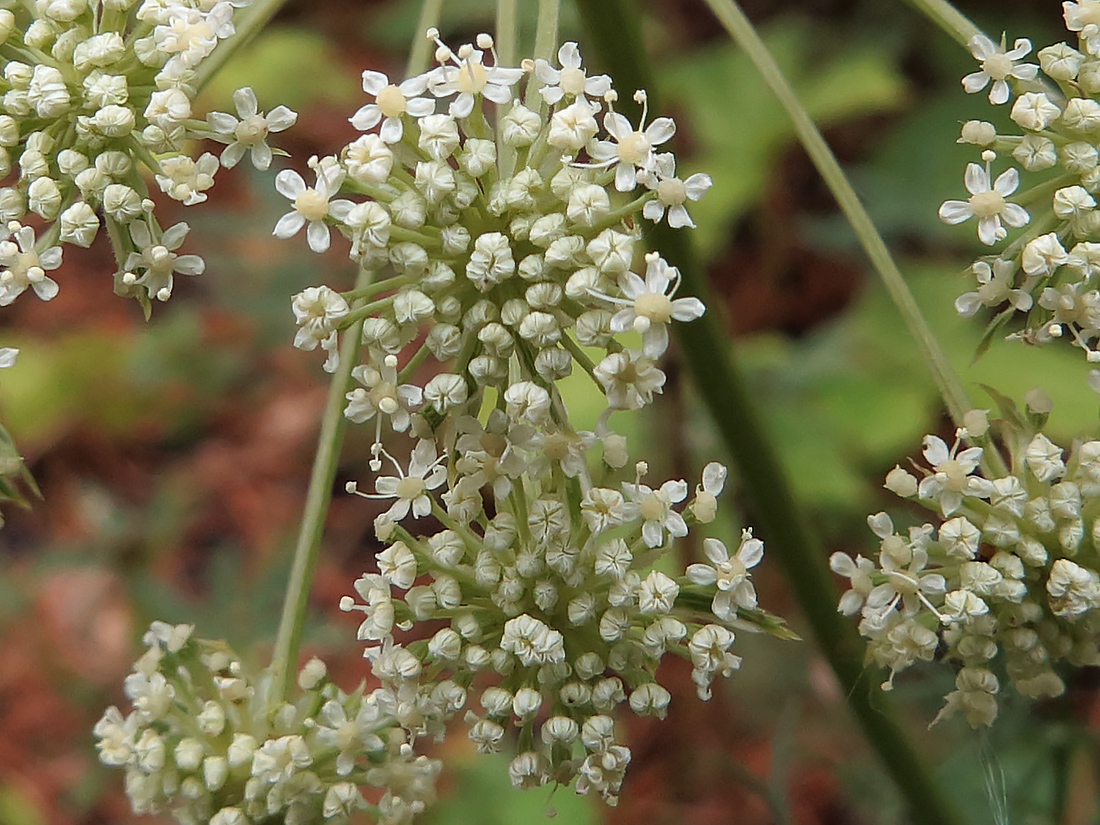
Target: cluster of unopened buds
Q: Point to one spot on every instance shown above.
(1006, 583)
(204, 743)
(507, 248)
(1043, 284)
(96, 99)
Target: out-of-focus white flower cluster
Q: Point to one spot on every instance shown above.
(95, 98)
(1006, 584)
(1042, 285)
(204, 744)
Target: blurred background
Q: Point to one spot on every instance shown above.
(174, 455)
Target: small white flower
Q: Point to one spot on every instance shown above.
(426, 473)
(858, 573)
(987, 202)
(381, 393)
(469, 77)
(705, 506)
(995, 286)
(390, 103)
(629, 378)
(631, 149)
(951, 479)
(649, 306)
(311, 205)
(570, 79)
(249, 130)
(672, 192)
(730, 574)
(186, 180)
(159, 260)
(998, 65)
(654, 507)
(1034, 111)
(22, 266)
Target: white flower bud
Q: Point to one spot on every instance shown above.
(47, 92)
(1034, 111)
(121, 203)
(44, 198)
(520, 126)
(188, 754)
(526, 703)
(7, 25)
(477, 157)
(99, 51)
(438, 136)
(541, 329)
(588, 204)
(650, 699)
(1060, 61)
(978, 133)
(554, 364)
(445, 392)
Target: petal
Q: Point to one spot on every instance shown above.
(420, 107)
(232, 154)
(990, 231)
(678, 217)
(221, 122)
(412, 86)
(366, 118)
(626, 177)
(716, 551)
(751, 552)
(289, 184)
(842, 564)
(46, 288)
(660, 130)
(1007, 182)
(954, 212)
(288, 225)
(462, 105)
(189, 265)
(697, 185)
(652, 534)
(374, 82)
(280, 118)
(174, 235)
(714, 477)
(617, 125)
(935, 450)
(976, 179)
(569, 56)
(702, 574)
(687, 309)
(1015, 215)
(975, 82)
(261, 156)
(998, 93)
(392, 130)
(632, 285)
(317, 236)
(982, 47)
(245, 101)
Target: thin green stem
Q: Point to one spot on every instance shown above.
(613, 29)
(506, 32)
(954, 396)
(546, 41)
(247, 23)
(285, 656)
(948, 18)
(420, 56)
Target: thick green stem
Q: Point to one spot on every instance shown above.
(613, 29)
(285, 656)
(506, 32)
(948, 18)
(420, 56)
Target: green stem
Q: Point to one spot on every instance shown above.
(285, 656)
(948, 18)
(613, 28)
(546, 41)
(420, 56)
(505, 34)
(247, 23)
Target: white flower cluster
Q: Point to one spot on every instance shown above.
(1006, 585)
(203, 743)
(510, 246)
(1043, 285)
(93, 95)
(557, 609)
(514, 241)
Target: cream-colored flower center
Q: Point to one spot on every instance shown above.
(472, 77)
(998, 66)
(987, 204)
(311, 205)
(655, 307)
(954, 475)
(251, 130)
(556, 446)
(634, 148)
(572, 81)
(671, 192)
(653, 508)
(411, 487)
(391, 102)
(384, 397)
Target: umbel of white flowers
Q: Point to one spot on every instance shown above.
(1007, 581)
(1042, 286)
(508, 250)
(203, 744)
(93, 95)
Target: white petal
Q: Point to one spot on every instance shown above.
(289, 184)
(317, 236)
(953, 212)
(976, 179)
(189, 265)
(374, 82)
(280, 118)
(366, 118)
(245, 101)
(1015, 215)
(288, 225)
(392, 130)
(687, 309)
(660, 130)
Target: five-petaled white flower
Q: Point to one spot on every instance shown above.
(249, 130)
(987, 202)
(730, 574)
(655, 509)
(998, 65)
(570, 79)
(469, 77)
(311, 205)
(631, 149)
(159, 260)
(672, 192)
(951, 478)
(995, 286)
(649, 306)
(22, 266)
(390, 103)
(426, 473)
